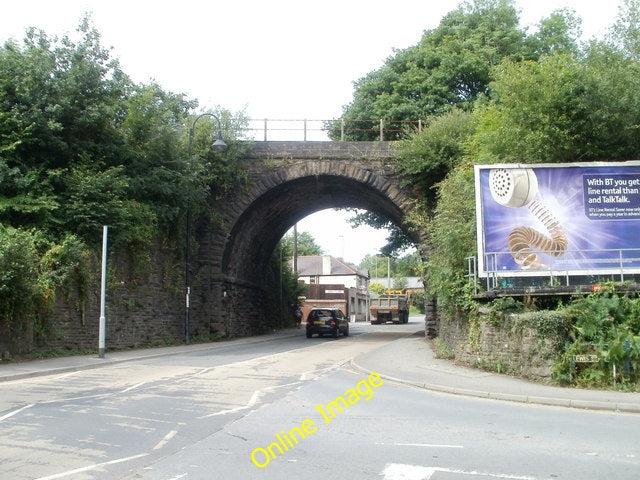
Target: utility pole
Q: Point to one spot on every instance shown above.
(295, 249)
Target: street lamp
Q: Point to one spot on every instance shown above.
(218, 144)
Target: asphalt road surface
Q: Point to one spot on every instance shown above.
(292, 407)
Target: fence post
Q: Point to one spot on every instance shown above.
(342, 129)
(419, 124)
(265, 129)
(305, 129)
(381, 130)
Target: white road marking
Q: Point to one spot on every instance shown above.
(91, 467)
(426, 445)
(400, 471)
(15, 412)
(67, 375)
(165, 440)
(252, 401)
(132, 387)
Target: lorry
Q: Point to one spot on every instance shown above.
(392, 306)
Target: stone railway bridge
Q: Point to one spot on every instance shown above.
(286, 182)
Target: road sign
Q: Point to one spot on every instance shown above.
(585, 358)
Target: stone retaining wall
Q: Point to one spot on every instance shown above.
(516, 345)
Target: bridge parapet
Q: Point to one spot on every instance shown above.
(369, 151)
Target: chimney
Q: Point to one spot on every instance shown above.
(326, 265)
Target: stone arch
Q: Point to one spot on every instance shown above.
(282, 189)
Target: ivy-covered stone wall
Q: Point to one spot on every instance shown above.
(520, 344)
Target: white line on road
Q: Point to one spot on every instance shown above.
(165, 440)
(67, 375)
(400, 471)
(132, 387)
(11, 414)
(426, 445)
(91, 467)
(252, 401)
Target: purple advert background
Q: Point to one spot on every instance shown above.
(597, 207)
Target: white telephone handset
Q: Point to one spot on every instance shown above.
(517, 187)
(513, 187)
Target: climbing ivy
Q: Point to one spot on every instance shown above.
(605, 328)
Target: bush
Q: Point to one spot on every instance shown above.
(31, 270)
(605, 326)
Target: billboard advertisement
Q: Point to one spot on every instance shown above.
(573, 219)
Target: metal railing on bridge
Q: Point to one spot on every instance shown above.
(269, 129)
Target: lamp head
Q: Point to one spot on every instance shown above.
(219, 144)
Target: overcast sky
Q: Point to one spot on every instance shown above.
(277, 59)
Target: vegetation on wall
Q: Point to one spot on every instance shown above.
(82, 146)
(606, 330)
(596, 338)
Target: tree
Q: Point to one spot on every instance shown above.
(377, 288)
(409, 265)
(548, 111)
(557, 33)
(625, 33)
(61, 105)
(452, 239)
(81, 146)
(152, 130)
(376, 265)
(448, 68)
(428, 156)
(306, 245)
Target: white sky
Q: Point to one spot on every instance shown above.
(277, 59)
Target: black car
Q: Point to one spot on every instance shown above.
(329, 321)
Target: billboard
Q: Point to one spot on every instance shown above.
(573, 219)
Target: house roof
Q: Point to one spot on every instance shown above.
(311, 265)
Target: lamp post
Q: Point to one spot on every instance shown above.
(219, 145)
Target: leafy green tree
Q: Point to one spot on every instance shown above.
(81, 146)
(409, 265)
(426, 157)
(61, 105)
(625, 33)
(31, 269)
(548, 111)
(93, 199)
(452, 240)
(377, 288)
(448, 68)
(20, 291)
(557, 33)
(378, 266)
(306, 245)
(153, 130)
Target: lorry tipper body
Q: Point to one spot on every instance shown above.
(390, 307)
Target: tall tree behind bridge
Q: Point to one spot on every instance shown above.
(450, 66)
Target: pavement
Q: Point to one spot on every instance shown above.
(409, 360)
